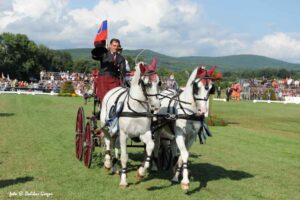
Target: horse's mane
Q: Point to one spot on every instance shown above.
(137, 73)
(192, 77)
(186, 94)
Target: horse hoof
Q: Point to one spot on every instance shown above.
(138, 176)
(123, 186)
(175, 180)
(185, 186)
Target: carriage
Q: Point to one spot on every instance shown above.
(88, 134)
(179, 114)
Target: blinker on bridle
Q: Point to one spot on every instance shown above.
(206, 78)
(144, 86)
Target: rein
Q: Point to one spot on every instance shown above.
(134, 113)
(176, 98)
(169, 116)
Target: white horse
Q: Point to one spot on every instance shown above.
(140, 98)
(192, 101)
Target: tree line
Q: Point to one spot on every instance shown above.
(24, 59)
(268, 73)
(230, 77)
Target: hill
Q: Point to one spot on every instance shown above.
(233, 62)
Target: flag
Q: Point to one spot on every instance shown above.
(101, 37)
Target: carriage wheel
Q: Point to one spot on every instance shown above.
(97, 107)
(165, 155)
(79, 131)
(88, 146)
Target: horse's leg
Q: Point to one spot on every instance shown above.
(147, 139)
(177, 161)
(178, 167)
(154, 166)
(184, 154)
(124, 159)
(107, 158)
(116, 157)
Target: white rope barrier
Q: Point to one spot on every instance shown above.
(216, 99)
(287, 100)
(28, 93)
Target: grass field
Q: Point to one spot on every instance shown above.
(256, 157)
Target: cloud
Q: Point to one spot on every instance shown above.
(278, 45)
(138, 23)
(176, 28)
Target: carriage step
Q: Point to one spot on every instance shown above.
(98, 131)
(99, 135)
(92, 117)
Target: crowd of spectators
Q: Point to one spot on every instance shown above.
(49, 82)
(256, 88)
(83, 84)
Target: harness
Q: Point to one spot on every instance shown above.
(133, 113)
(171, 116)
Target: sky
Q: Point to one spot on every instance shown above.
(172, 27)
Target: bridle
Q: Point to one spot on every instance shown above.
(144, 86)
(195, 91)
(195, 87)
(145, 93)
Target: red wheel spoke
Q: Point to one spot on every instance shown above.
(79, 133)
(88, 147)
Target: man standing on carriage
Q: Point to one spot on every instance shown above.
(112, 64)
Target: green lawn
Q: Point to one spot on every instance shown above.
(256, 157)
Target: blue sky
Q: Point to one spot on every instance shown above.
(173, 27)
(82, 4)
(256, 17)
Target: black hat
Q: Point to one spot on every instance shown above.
(98, 51)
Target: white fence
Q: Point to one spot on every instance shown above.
(28, 93)
(287, 100)
(216, 99)
(292, 100)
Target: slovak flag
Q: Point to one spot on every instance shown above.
(101, 37)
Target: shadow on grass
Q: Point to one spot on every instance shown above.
(205, 172)
(6, 114)
(8, 182)
(139, 156)
(233, 122)
(202, 172)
